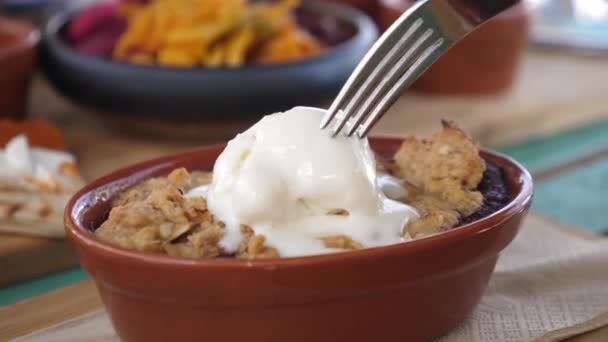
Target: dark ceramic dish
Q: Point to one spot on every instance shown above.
(30, 6)
(197, 93)
(411, 291)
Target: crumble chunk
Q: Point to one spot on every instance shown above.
(443, 173)
(254, 246)
(341, 242)
(153, 216)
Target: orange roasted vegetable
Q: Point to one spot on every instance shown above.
(213, 33)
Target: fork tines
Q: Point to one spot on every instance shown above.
(404, 52)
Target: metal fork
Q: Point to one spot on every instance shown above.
(401, 55)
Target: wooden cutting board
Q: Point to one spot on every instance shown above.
(23, 257)
(554, 91)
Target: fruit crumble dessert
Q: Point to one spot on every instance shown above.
(285, 188)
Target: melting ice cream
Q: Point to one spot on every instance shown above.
(293, 183)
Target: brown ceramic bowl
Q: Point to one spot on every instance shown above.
(18, 41)
(484, 62)
(405, 292)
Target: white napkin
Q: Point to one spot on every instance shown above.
(545, 280)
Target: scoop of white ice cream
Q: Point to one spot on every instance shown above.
(286, 178)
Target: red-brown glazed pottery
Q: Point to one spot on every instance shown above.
(484, 62)
(411, 291)
(18, 40)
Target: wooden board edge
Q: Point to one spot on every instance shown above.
(48, 309)
(34, 262)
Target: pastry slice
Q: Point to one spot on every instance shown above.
(35, 181)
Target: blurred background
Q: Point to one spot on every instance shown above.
(123, 81)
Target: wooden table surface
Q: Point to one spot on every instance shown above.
(553, 92)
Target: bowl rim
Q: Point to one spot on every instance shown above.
(365, 30)
(82, 236)
(27, 37)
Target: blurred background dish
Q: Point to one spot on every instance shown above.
(18, 40)
(30, 6)
(368, 6)
(36, 11)
(580, 25)
(485, 61)
(201, 33)
(203, 93)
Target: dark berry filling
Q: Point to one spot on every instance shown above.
(493, 187)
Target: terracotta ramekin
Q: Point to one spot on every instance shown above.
(484, 62)
(405, 292)
(18, 40)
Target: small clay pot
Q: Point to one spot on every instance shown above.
(484, 62)
(411, 291)
(18, 40)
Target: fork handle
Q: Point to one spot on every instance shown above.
(478, 11)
